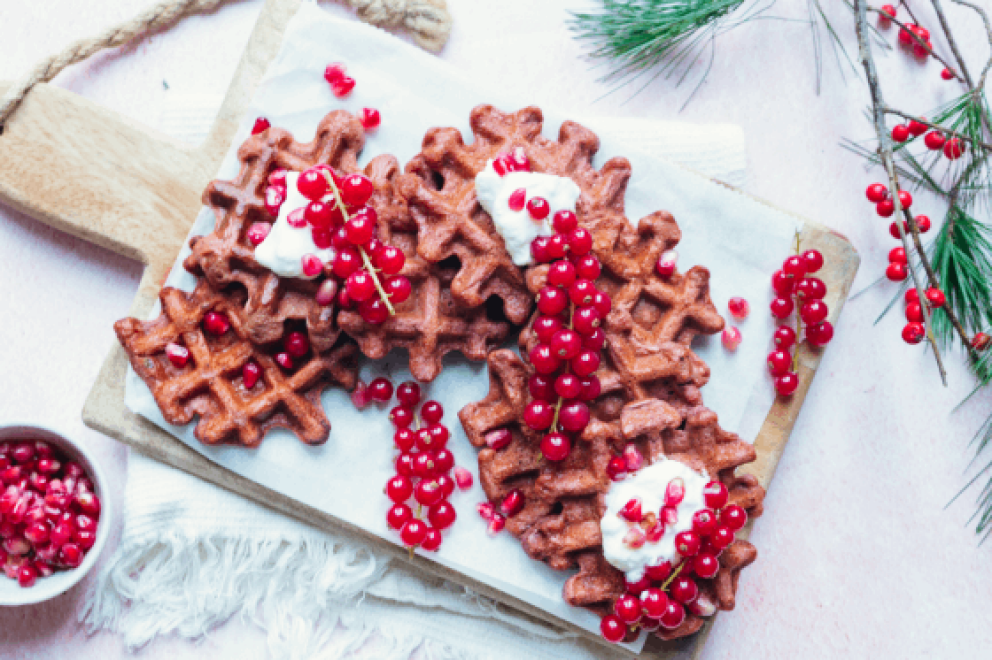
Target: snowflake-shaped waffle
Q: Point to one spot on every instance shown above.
(226, 256)
(211, 385)
(650, 398)
(429, 324)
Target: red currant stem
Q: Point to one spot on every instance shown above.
(675, 573)
(554, 421)
(373, 271)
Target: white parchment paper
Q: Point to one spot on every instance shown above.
(741, 241)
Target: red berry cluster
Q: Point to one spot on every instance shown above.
(571, 310)
(48, 511)
(897, 269)
(423, 467)
(797, 289)
(914, 330)
(661, 597)
(367, 266)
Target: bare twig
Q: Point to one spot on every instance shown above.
(954, 44)
(885, 153)
(976, 90)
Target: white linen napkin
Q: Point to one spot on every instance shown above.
(192, 554)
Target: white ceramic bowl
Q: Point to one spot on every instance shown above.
(11, 593)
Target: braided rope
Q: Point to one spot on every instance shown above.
(428, 21)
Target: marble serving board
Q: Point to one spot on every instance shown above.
(137, 192)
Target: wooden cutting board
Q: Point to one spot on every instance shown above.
(136, 192)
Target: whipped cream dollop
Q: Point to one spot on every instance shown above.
(649, 485)
(283, 249)
(518, 228)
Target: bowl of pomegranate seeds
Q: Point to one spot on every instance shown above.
(54, 514)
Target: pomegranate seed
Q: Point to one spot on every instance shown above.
(17, 545)
(654, 531)
(370, 119)
(215, 323)
(26, 576)
(44, 569)
(738, 308)
(296, 344)
(360, 395)
(327, 292)
(486, 510)
(616, 469)
(496, 524)
(632, 457)
(343, 87)
(498, 439)
(731, 338)
(675, 492)
(463, 478)
(284, 360)
(85, 539)
(555, 447)
(334, 72)
(513, 503)
(178, 355)
(250, 373)
(612, 629)
(669, 515)
(631, 511)
(37, 533)
(627, 608)
(659, 572)
(702, 606)
(634, 538)
(653, 602)
(733, 517)
(517, 199)
(260, 125)
(274, 198)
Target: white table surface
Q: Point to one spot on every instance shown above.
(859, 552)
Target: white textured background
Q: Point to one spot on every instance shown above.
(858, 554)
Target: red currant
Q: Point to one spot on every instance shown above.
(399, 489)
(813, 259)
(401, 417)
(555, 447)
(432, 540)
(612, 629)
(783, 284)
(588, 267)
(540, 387)
(715, 494)
(674, 615)
(413, 533)
(373, 311)
(580, 241)
(653, 602)
(552, 301)
(627, 608)
(573, 416)
(591, 388)
(432, 412)
(687, 543)
(356, 189)
(786, 384)
(312, 184)
(564, 221)
(585, 363)
(404, 439)
(819, 335)
(442, 515)
(784, 337)
(782, 307)
(538, 208)
(566, 344)
(813, 312)
(706, 565)
(538, 415)
(544, 359)
(733, 517)
(586, 320)
(408, 394)
(398, 516)
(795, 266)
